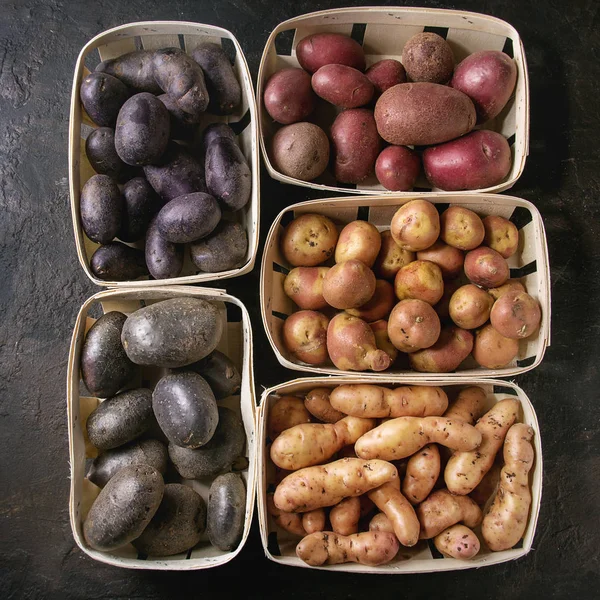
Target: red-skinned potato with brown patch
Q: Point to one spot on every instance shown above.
(382, 339)
(391, 257)
(450, 260)
(413, 324)
(421, 280)
(516, 315)
(510, 286)
(349, 284)
(289, 96)
(492, 350)
(304, 285)
(305, 336)
(452, 347)
(380, 304)
(486, 267)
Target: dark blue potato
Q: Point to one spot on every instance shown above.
(226, 511)
(135, 69)
(179, 75)
(172, 333)
(225, 446)
(124, 507)
(120, 419)
(183, 124)
(177, 525)
(101, 208)
(163, 258)
(118, 262)
(141, 204)
(188, 218)
(225, 248)
(102, 96)
(228, 176)
(105, 367)
(215, 131)
(100, 151)
(142, 131)
(220, 373)
(222, 84)
(186, 409)
(142, 452)
(177, 174)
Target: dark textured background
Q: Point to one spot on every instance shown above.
(42, 287)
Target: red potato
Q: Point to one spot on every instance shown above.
(289, 96)
(501, 235)
(492, 350)
(391, 257)
(450, 260)
(342, 86)
(452, 347)
(355, 145)
(416, 225)
(286, 412)
(352, 347)
(516, 315)
(349, 284)
(320, 49)
(488, 78)
(309, 240)
(413, 324)
(359, 240)
(485, 267)
(385, 74)
(397, 168)
(382, 339)
(305, 336)
(427, 56)
(442, 308)
(304, 285)
(509, 286)
(317, 403)
(421, 280)
(470, 306)
(461, 228)
(380, 304)
(478, 160)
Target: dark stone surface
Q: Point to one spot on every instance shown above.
(43, 287)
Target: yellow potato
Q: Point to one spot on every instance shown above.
(290, 522)
(466, 469)
(422, 471)
(314, 443)
(380, 522)
(285, 413)
(468, 406)
(403, 436)
(441, 510)
(505, 523)
(360, 240)
(318, 405)
(458, 542)
(313, 520)
(373, 401)
(326, 485)
(344, 516)
(328, 548)
(399, 511)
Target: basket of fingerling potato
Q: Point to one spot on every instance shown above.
(163, 156)
(394, 99)
(357, 475)
(408, 288)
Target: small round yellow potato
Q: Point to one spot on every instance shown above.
(501, 235)
(391, 257)
(470, 306)
(309, 240)
(461, 228)
(358, 240)
(285, 413)
(416, 225)
(421, 280)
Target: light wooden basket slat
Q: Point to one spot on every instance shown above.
(160, 34)
(384, 32)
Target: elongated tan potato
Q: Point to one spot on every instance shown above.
(314, 443)
(318, 405)
(376, 402)
(487, 486)
(285, 413)
(313, 520)
(458, 542)
(403, 436)
(442, 510)
(468, 406)
(326, 485)
(399, 511)
(380, 522)
(504, 525)
(290, 522)
(344, 516)
(466, 469)
(328, 548)
(422, 471)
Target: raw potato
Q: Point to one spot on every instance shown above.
(352, 347)
(466, 469)
(442, 308)
(285, 413)
(468, 406)
(509, 286)
(457, 542)
(501, 235)
(226, 511)
(461, 228)
(399, 511)
(413, 324)
(420, 280)
(220, 373)
(289, 96)
(102, 96)
(380, 522)
(140, 206)
(317, 403)
(492, 350)
(382, 339)
(302, 490)
(486, 267)
(223, 249)
(349, 284)
(183, 125)
(505, 523)
(314, 521)
(385, 74)
(442, 510)
(470, 306)
(422, 472)
(376, 402)
(100, 151)
(309, 240)
(320, 49)
(358, 240)
(428, 57)
(452, 347)
(101, 208)
(290, 522)
(516, 315)
(397, 168)
(314, 443)
(301, 151)
(380, 304)
(344, 516)
(163, 258)
(403, 436)
(342, 86)
(450, 260)
(118, 262)
(305, 336)
(487, 486)
(416, 225)
(391, 257)
(135, 69)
